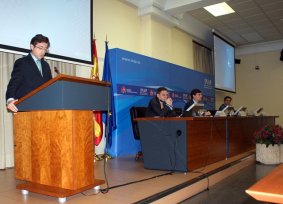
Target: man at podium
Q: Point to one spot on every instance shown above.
(29, 72)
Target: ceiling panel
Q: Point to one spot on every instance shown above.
(272, 8)
(244, 31)
(275, 14)
(249, 12)
(241, 5)
(235, 38)
(243, 26)
(252, 37)
(253, 21)
(268, 2)
(259, 26)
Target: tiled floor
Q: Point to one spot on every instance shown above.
(118, 171)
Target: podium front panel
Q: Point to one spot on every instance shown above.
(68, 95)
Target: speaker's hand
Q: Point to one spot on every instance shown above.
(11, 106)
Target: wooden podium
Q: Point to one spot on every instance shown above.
(53, 136)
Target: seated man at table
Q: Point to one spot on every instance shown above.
(196, 98)
(161, 105)
(227, 102)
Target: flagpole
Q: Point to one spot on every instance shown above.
(97, 122)
(107, 77)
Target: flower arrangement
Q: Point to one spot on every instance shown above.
(269, 135)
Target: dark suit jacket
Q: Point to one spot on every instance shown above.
(188, 104)
(222, 107)
(154, 109)
(26, 77)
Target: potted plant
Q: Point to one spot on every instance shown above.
(268, 140)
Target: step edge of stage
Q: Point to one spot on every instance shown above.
(158, 196)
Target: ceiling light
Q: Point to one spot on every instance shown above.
(219, 9)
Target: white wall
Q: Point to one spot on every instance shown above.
(144, 35)
(263, 87)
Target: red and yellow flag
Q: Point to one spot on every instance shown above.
(97, 115)
(94, 74)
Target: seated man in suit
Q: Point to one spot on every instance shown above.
(196, 98)
(227, 102)
(29, 72)
(160, 105)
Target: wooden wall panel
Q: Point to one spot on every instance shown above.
(61, 148)
(55, 148)
(22, 146)
(217, 140)
(235, 137)
(241, 130)
(206, 142)
(83, 148)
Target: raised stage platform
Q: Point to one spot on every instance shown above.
(171, 188)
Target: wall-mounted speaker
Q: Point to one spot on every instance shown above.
(281, 57)
(237, 61)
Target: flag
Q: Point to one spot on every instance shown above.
(94, 74)
(111, 118)
(97, 115)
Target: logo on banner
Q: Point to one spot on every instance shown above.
(185, 97)
(208, 99)
(176, 95)
(123, 89)
(151, 92)
(143, 92)
(207, 83)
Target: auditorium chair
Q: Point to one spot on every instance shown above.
(137, 112)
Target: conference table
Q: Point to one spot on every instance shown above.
(189, 143)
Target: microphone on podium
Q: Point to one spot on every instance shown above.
(57, 70)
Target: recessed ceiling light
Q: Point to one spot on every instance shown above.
(219, 9)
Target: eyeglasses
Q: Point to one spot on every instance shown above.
(42, 49)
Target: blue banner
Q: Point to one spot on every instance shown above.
(135, 79)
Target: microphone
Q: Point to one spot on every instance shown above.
(57, 70)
